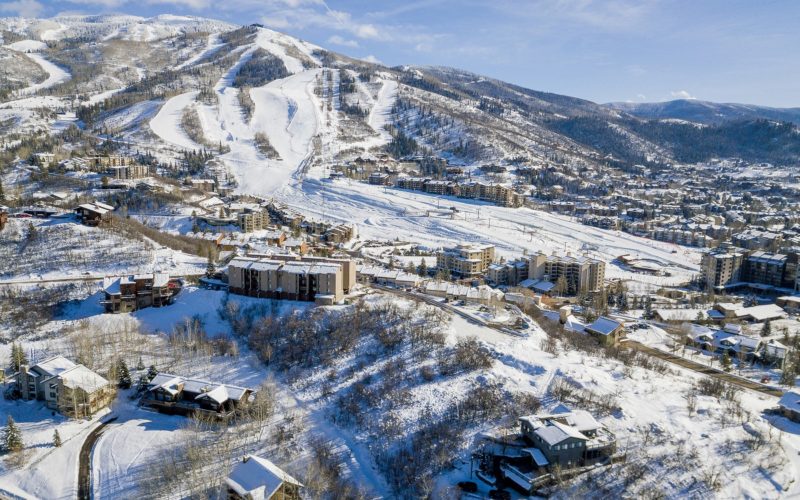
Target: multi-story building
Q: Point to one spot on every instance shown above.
(581, 274)
(509, 273)
(466, 260)
(130, 293)
(722, 267)
(132, 171)
(253, 220)
(69, 388)
(307, 280)
(767, 269)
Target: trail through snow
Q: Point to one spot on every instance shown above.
(55, 74)
(167, 123)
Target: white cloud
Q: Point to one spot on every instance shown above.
(344, 42)
(371, 59)
(681, 94)
(23, 8)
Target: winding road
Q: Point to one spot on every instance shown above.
(85, 460)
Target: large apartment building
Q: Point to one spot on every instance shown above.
(466, 260)
(767, 268)
(721, 267)
(581, 274)
(321, 281)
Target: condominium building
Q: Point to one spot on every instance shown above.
(722, 267)
(132, 171)
(767, 268)
(253, 220)
(130, 293)
(466, 260)
(581, 274)
(321, 282)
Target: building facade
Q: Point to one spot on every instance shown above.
(305, 280)
(71, 389)
(580, 274)
(466, 260)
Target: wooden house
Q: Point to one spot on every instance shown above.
(94, 214)
(71, 389)
(130, 293)
(174, 394)
(606, 330)
(256, 478)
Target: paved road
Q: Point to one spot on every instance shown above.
(85, 461)
(705, 370)
(685, 363)
(447, 307)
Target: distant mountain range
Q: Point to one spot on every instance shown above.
(186, 82)
(705, 112)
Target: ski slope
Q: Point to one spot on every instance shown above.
(55, 74)
(167, 123)
(387, 212)
(213, 44)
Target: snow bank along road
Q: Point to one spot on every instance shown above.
(85, 460)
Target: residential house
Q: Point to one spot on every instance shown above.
(789, 405)
(71, 389)
(568, 439)
(174, 394)
(133, 292)
(606, 330)
(94, 214)
(256, 478)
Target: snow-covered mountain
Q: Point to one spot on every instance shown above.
(706, 112)
(259, 97)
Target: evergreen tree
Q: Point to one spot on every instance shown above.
(211, 269)
(423, 269)
(56, 439)
(726, 361)
(648, 308)
(766, 330)
(12, 437)
(140, 364)
(31, 231)
(151, 372)
(18, 357)
(124, 375)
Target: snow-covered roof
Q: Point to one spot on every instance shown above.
(554, 432)
(80, 377)
(218, 394)
(258, 478)
(175, 383)
(790, 400)
(603, 326)
(54, 366)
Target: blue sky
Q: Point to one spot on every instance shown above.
(614, 50)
